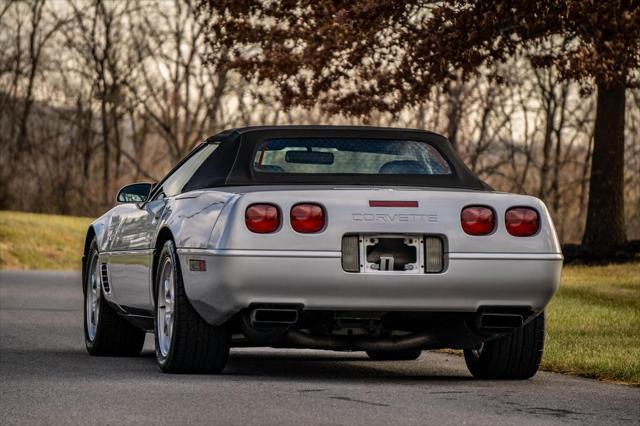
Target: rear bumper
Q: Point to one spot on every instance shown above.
(237, 278)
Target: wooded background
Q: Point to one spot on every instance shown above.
(94, 95)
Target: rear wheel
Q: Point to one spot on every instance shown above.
(515, 356)
(105, 332)
(404, 355)
(185, 343)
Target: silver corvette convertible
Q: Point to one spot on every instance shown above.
(339, 238)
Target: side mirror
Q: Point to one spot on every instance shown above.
(134, 193)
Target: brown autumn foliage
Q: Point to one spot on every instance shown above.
(362, 55)
(95, 95)
(365, 55)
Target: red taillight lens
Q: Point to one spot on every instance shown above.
(307, 218)
(262, 218)
(477, 220)
(522, 221)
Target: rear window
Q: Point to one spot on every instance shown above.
(349, 156)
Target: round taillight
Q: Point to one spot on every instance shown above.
(522, 221)
(307, 218)
(262, 218)
(477, 220)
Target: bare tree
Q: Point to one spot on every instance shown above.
(181, 97)
(102, 40)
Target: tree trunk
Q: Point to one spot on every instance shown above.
(550, 115)
(454, 113)
(605, 229)
(106, 154)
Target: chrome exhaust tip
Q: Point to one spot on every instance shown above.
(491, 320)
(274, 316)
(267, 325)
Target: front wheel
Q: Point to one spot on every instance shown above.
(185, 343)
(515, 356)
(105, 332)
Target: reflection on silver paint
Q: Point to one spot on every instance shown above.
(130, 274)
(136, 230)
(127, 235)
(193, 219)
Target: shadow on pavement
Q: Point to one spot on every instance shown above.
(245, 365)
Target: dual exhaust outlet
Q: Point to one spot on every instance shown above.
(289, 316)
(272, 326)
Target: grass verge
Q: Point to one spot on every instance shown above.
(593, 323)
(39, 241)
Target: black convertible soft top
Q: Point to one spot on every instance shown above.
(231, 164)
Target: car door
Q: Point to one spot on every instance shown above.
(131, 257)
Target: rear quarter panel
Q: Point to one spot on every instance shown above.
(191, 216)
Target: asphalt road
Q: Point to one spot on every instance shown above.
(46, 377)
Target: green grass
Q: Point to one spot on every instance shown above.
(38, 241)
(593, 323)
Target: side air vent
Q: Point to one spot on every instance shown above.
(433, 255)
(105, 278)
(350, 253)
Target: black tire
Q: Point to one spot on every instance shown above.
(113, 335)
(404, 355)
(515, 356)
(195, 346)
